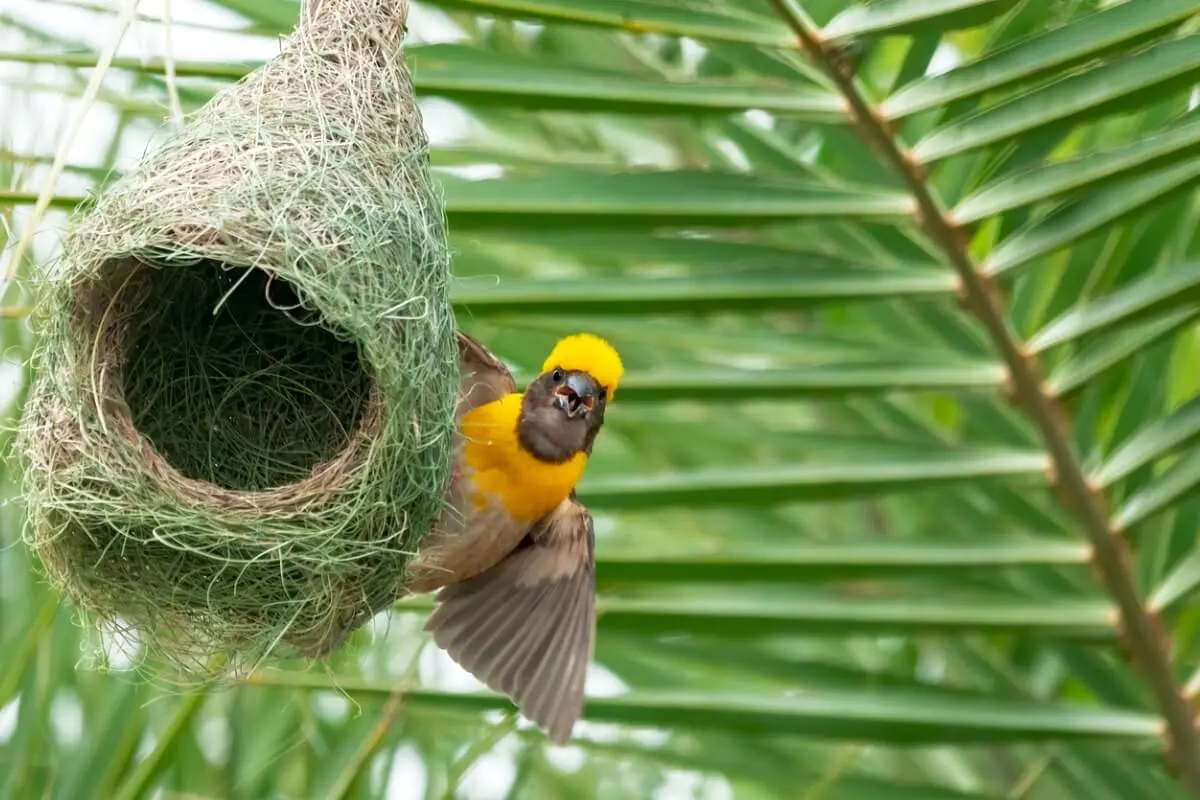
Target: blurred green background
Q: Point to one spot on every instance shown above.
(910, 354)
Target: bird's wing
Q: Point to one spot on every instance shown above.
(465, 540)
(526, 627)
(483, 377)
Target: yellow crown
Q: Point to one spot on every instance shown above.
(584, 352)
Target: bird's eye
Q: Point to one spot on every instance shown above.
(557, 375)
(604, 394)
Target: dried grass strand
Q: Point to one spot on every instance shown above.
(240, 427)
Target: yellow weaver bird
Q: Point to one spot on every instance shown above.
(514, 554)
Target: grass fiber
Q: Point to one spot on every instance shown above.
(241, 420)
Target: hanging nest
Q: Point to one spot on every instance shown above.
(241, 422)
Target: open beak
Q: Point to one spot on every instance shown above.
(577, 395)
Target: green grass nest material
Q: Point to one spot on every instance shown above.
(241, 422)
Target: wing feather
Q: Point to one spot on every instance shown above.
(482, 377)
(466, 540)
(526, 627)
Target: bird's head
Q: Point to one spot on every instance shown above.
(563, 407)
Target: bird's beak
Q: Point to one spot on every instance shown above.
(577, 395)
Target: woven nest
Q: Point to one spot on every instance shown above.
(241, 423)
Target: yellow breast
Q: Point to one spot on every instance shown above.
(499, 466)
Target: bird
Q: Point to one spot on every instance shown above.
(512, 557)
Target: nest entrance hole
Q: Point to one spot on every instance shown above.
(249, 398)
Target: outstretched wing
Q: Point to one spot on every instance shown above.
(482, 377)
(526, 627)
